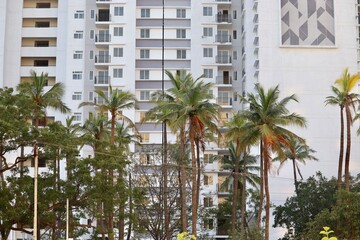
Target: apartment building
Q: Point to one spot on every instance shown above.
(301, 45)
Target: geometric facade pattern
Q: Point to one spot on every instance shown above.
(307, 23)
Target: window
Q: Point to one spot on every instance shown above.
(181, 13)
(234, 14)
(117, 72)
(92, 34)
(181, 73)
(91, 96)
(77, 75)
(207, 11)
(41, 43)
(43, 5)
(208, 223)
(208, 180)
(145, 137)
(234, 34)
(145, 33)
(208, 201)
(208, 31)
(208, 158)
(119, 11)
(78, 55)
(42, 24)
(208, 52)
(77, 96)
(144, 95)
(78, 34)
(91, 75)
(208, 72)
(91, 54)
(144, 74)
(41, 63)
(77, 117)
(118, 52)
(146, 159)
(181, 54)
(235, 55)
(235, 75)
(118, 31)
(144, 53)
(92, 14)
(180, 33)
(145, 12)
(79, 15)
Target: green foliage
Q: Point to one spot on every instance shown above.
(326, 233)
(185, 236)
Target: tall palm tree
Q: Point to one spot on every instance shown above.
(345, 98)
(114, 103)
(239, 162)
(298, 152)
(36, 92)
(267, 116)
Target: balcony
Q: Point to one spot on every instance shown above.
(223, 80)
(103, 1)
(103, 16)
(38, 51)
(223, 38)
(224, 101)
(223, 18)
(102, 80)
(102, 38)
(25, 71)
(40, 13)
(34, 32)
(227, 1)
(222, 189)
(102, 59)
(223, 59)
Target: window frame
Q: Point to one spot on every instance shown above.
(118, 11)
(118, 73)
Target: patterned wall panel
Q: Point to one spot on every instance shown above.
(307, 23)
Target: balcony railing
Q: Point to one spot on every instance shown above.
(102, 59)
(103, 17)
(102, 79)
(102, 38)
(223, 18)
(223, 59)
(222, 0)
(99, 1)
(223, 38)
(223, 80)
(224, 101)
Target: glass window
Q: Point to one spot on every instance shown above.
(79, 14)
(235, 55)
(118, 52)
(208, 180)
(77, 96)
(208, 158)
(77, 116)
(79, 35)
(208, 72)
(145, 33)
(144, 95)
(92, 34)
(119, 11)
(118, 31)
(208, 52)
(181, 13)
(181, 54)
(91, 75)
(78, 55)
(91, 96)
(180, 33)
(234, 14)
(117, 72)
(208, 201)
(77, 75)
(234, 34)
(207, 11)
(144, 74)
(92, 14)
(145, 137)
(145, 12)
(208, 223)
(91, 54)
(144, 53)
(207, 31)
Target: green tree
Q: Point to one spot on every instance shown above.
(267, 116)
(298, 152)
(344, 96)
(114, 103)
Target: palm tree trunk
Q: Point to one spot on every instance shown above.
(267, 193)
(341, 153)
(198, 165)
(348, 147)
(234, 202)
(111, 202)
(183, 180)
(165, 175)
(243, 199)
(130, 208)
(295, 176)
(261, 184)
(193, 190)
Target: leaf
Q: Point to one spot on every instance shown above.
(325, 238)
(333, 238)
(326, 228)
(323, 232)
